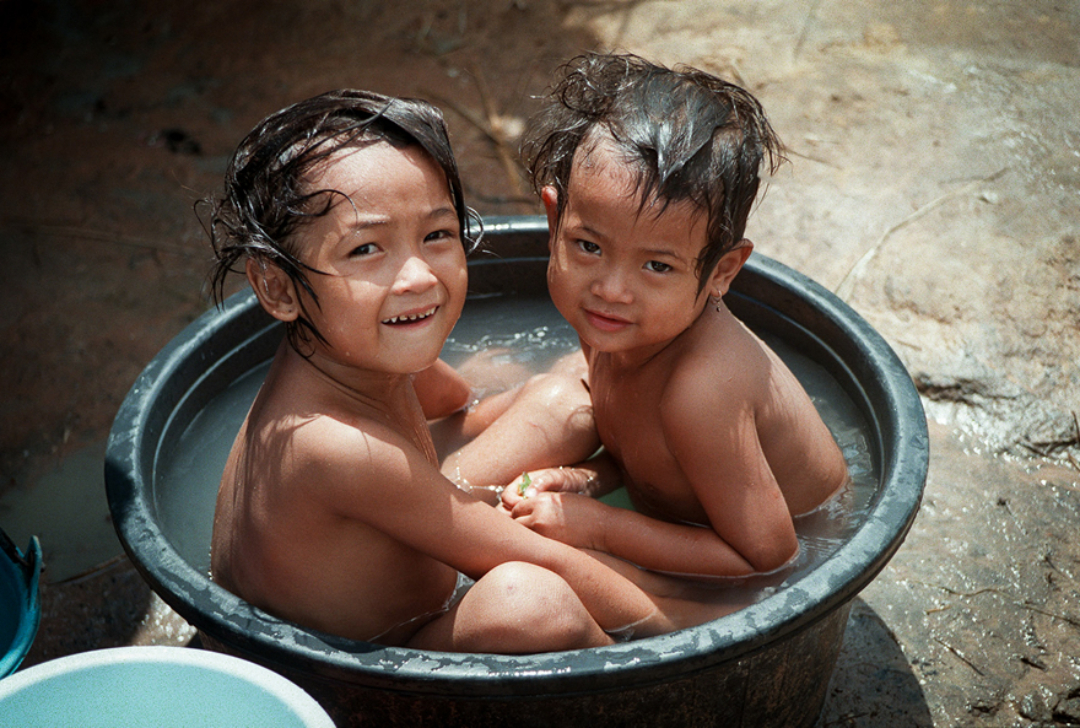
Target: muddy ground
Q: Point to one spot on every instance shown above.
(934, 182)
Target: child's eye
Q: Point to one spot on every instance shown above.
(587, 246)
(362, 250)
(440, 235)
(657, 267)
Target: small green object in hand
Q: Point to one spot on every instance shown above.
(526, 481)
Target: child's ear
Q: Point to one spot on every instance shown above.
(550, 197)
(274, 289)
(729, 266)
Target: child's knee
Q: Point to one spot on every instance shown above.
(531, 609)
(558, 394)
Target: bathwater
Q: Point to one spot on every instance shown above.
(512, 337)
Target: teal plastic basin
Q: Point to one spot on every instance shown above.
(162, 687)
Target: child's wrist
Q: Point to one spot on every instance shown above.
(599, 526)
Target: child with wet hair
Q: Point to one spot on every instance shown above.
(346, 212)
(647, 175)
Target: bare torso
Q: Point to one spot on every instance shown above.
(280, 541)
(716, 356)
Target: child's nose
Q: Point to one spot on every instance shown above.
(415, 275)
(612, 286)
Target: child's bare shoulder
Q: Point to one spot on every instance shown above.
(344, 458)
(720, 369)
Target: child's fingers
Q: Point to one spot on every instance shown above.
(523, 512)
(527, 486)
(509, 499)
(546, 480)
(514, 493)
(551, 480)
(545, 515)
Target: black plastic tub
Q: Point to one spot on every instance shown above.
(766, 665)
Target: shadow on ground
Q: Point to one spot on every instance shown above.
(873, 684)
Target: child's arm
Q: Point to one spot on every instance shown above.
(670, 548)
(379, 479)
(712, 431)
(714, 439)
(544, 423)
(441, 390)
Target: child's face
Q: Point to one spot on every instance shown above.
(625, 280)
(397, 277)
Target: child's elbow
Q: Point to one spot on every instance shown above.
(454, 400)
(774, 558)
(441, 391)
(436, 409)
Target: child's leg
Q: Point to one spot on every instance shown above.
(546, 422)
(516, 608)
(684, 602)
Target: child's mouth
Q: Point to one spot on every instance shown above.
(410, 318)
(605, 323)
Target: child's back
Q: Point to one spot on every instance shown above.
(701, 385)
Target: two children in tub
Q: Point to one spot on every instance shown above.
(348, 212)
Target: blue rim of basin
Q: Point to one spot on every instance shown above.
(898, 419)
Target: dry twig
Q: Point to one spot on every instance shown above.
(1064, 618)
(959, 654)
(490, 126)
(101, 236)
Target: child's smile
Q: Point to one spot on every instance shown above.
(411, 318)
(606, 322)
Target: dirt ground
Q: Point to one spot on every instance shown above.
(934, 182)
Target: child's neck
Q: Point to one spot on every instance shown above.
(367, 387)
(639, 358)
(379, 396)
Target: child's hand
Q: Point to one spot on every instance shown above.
(566, 517)
(554, 480)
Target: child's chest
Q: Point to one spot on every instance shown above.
(415, 429)
(627, 413)
(403, 422)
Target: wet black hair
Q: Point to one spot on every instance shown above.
(268, 196)
(686, 135)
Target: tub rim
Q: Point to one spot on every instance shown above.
(212, 609)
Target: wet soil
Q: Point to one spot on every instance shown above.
(934, 180)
